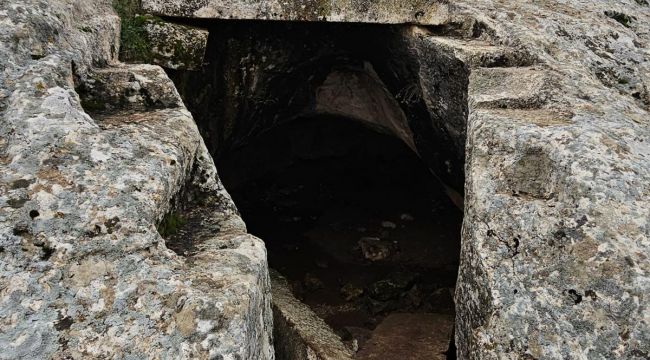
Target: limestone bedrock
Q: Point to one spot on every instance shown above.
(555, 244)
(84, 272)
(429, 12)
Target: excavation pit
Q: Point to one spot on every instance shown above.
(352, 218)
(312, 130)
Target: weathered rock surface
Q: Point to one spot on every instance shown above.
(85, 274)
(554, 261)
(430, 12)
(176, 46)
(547, 100)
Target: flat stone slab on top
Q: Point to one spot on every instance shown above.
(425, 12)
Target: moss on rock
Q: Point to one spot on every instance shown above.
(149, 39)
(170, 224)
(134, 43)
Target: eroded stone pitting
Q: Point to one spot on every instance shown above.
(553, 257)
(382, 11)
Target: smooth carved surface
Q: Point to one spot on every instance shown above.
(429, 12)
(360, 95)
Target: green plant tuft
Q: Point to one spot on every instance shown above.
(170, 224)
(134, 44)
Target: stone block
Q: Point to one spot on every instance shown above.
(428, 12)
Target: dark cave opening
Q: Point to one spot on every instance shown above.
(351, 217)
(346, 164)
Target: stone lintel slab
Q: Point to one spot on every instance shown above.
(425, 12)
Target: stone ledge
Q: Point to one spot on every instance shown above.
(425, 12)
(299, 333)
(176, 46)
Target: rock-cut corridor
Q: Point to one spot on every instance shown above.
(329, 180)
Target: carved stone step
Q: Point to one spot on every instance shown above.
(539, 117)
(136, 88)
(299, 333)
(476, 53)
(520, 88)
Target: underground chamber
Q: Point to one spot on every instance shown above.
(334, 156)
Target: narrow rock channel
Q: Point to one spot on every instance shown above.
(312, 130)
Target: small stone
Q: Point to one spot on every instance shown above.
(374, 249)
(351, 292)
(358, 336)
(354, 345)
(392, 287)
(388, 225)
(312, 283)
(414, 296)
(441, 299)
(406, 217)
(378, 306)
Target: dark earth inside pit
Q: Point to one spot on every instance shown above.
(351, 217)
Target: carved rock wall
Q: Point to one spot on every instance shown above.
(84, 271)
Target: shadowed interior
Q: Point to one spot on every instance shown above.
(325, 138)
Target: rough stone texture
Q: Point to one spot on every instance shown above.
(548, 103)
(430, 12)
(85, 274)
(126, 88)
(299, 333)
(176, 46)
(555, 240)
